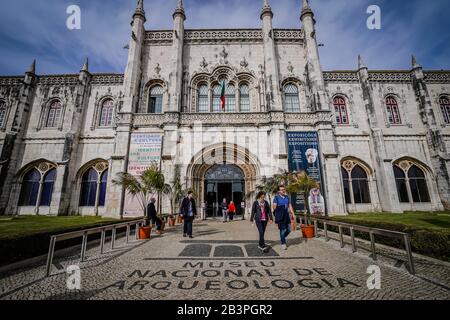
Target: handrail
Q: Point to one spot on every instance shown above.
(85, 233)
(371, 231)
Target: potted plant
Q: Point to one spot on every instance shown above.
(174, 192)
(301, 182)
(143, 188)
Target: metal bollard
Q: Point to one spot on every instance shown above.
(51, 251)
(325, 229)
(113, 237)
(102, 241)
(409, 254)
(341, 236)
(136, 231)
(128, 232)
(83, 247)
(316, 229)
(352, 233)
(372, 244)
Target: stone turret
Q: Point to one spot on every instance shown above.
(435, 140)
(133, 69)
(273, 95)
(176, 84)
(314, 74)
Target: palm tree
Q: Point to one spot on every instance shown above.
(175, 193)
(143, 187)
(301, 182)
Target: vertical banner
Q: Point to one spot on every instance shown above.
(145, 148)
(304, 155)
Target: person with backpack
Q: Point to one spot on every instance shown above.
(283, 212)
(261, 215)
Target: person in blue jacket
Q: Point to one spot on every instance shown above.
(283, 213)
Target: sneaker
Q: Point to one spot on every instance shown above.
(191, 237)
(185, 235)
(284, 247)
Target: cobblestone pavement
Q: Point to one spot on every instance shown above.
(223, 262)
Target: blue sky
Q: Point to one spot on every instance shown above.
(37, 29)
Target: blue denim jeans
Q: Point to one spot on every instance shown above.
(285, 230)
(187, 226)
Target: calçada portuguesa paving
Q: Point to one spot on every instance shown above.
(223, 262)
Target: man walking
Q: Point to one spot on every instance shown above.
(224, 208)
(283, 212)
(188, 212)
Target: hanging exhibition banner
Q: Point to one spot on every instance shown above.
(304, 155)
(145, 149)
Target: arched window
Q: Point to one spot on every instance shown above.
(346, 180)
(203, 103)
(244, 98)
(89, 188)
(30, 188)
(400, 180)
(340, 110)
(102, 189)
(155, 100)
(411, 182)
(3, 112)
(360, 185)
(392, 111)
(444, 102)
(356, 183)
(93, 186)
(106, 114)
(47, 187)
(217, 103)
(230, 98)
(54, 114)
(291, 98)
(37, 186)
(418, 184)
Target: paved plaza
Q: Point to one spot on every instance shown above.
(223, 262)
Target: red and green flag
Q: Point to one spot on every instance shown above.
(222, 95)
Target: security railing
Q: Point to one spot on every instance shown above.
(85, 233)
(371, 231)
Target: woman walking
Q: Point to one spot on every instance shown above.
(261, 215)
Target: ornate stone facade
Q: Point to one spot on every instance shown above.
(384, 135)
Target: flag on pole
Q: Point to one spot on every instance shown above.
(222, 95)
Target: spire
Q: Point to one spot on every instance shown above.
(266, 9)
(32, 68)
(414, 63)
(85, 66)
(140, 10)
(179, 10)
(361, 64)
(306, 9)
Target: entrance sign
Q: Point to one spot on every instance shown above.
(304, 155)
(145, 149)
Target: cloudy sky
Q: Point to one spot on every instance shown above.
(37, 29)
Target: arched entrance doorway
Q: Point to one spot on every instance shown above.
(210, 160)
(223, 181)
